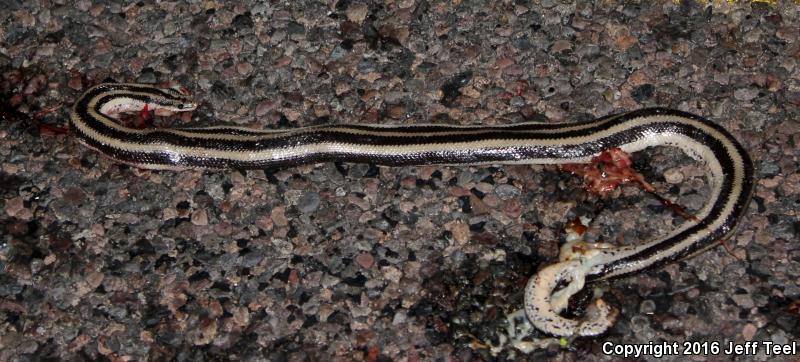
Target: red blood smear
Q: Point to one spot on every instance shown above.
(606, 171)
(145, 119)
(46, 129)
(612, 168)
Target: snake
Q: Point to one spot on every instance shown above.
(94, 119)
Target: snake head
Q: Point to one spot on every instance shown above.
(174, 98)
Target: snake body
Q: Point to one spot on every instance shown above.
(730, 168)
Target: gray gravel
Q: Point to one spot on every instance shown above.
(357, 262)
